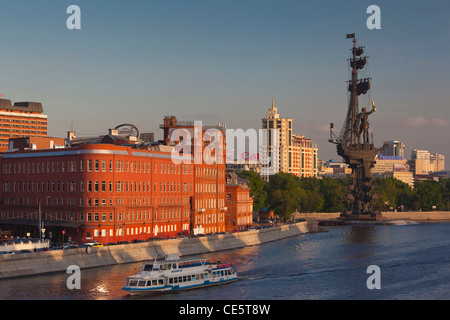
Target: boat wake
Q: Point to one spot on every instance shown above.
(401, 222)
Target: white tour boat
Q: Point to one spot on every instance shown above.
(175, 274)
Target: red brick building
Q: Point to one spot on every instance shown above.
(118, 188)
(100, 192)
(239, 204)
(208, 203)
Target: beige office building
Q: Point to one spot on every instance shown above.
(392, 166)
(420, 161)
(437, 162)
(389, 165)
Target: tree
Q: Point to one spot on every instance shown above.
(333, 191)
(314, 198)
(257, 188)
(392, 193)
(428, 194)
(285, 194)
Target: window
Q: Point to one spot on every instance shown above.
(104, 165)
(89, 165)
(97, 165)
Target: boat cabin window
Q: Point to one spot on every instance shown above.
(148, 267)
(168, 266)
(133, 283)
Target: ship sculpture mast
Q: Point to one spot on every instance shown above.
(354, 145)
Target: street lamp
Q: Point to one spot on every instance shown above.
(40, 216)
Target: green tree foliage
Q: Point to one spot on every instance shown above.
(287, 193)
(333, 191)
(430, 193)
(393, 193)
(257, 188)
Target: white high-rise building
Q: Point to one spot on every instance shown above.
(437, 162)
(296, 155)
(284, 126)
(420, 161)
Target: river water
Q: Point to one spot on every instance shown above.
(413, 263)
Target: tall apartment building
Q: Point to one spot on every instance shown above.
(437, 162)
(393, 149)
(305, 155)
(23, 119)
(284, 127)
(296, 154)
(420, 161)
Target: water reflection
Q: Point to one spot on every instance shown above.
(332, 265)
(362, 234)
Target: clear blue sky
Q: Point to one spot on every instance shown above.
(213, 60)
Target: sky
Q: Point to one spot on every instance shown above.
(224, 61)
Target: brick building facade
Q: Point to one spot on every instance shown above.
(239, 213)
(97, 192)
(113, 188)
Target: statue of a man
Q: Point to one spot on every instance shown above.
(364, 118)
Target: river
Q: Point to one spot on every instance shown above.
(413, 261)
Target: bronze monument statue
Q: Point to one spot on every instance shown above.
(358, 153)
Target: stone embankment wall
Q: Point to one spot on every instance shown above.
(25, 246)
(432, 216)
(58, 261)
